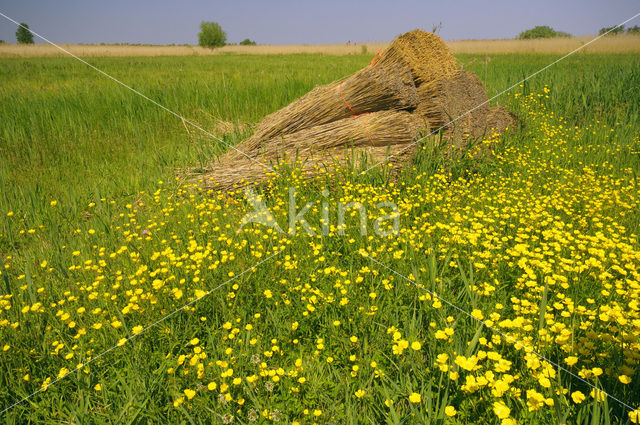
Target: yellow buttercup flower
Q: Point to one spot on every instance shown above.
(501, 410)
(577, 397)
(624, 379)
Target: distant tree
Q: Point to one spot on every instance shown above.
(633, 30)
(211, 35)
(612, 30)
(542, 31)
(23, 35)
(247, 42)
(1, 41)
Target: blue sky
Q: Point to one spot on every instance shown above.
(300, 22)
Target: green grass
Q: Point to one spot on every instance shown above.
(565, 184)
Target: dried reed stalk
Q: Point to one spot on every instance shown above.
(368, 90)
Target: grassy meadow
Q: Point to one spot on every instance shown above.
(100, 239)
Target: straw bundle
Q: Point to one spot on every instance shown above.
(368, 90)
(424, 53)
(499, 119)
(381, 128)
(248, 173)
(461, 98)
(364, 133)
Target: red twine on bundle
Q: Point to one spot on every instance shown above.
(356, 115)
(376, 58)
(345, 102)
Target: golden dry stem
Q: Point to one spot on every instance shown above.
(368, 90)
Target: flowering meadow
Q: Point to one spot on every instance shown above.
(509, 294)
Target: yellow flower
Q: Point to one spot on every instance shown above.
(477, 314)
(415, 398)
(571, 360)
(634, 416)
(98, 387)
(63, 372)
(360, 393)
(577, 397)
(501, 410)
(415, 345)
(450, 411)
(353, 339)
(268, 294)
(136, 329)
(624, 379)
(189, 393)
(211, 386)
(317, 412)
(53, 203)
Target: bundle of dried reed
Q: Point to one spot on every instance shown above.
(368, 90)
(245, 172)
(461, 99)
(424, 53)
(499, 120)
(322, 142)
